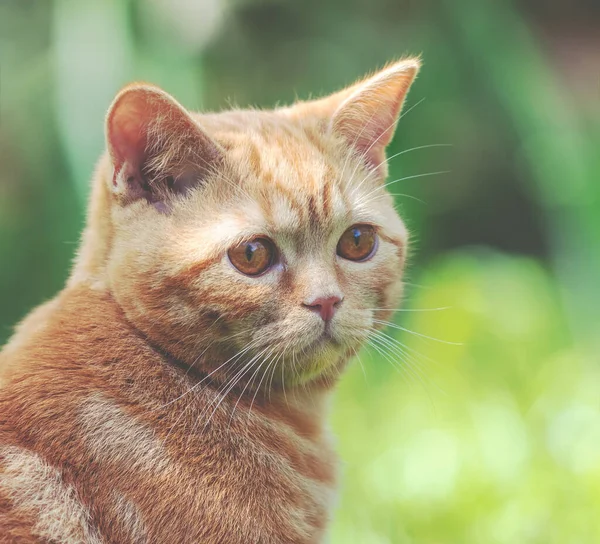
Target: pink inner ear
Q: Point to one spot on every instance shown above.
(367, 119)
(156, 147)
(368, 123)
(126, 130)
(377, 134)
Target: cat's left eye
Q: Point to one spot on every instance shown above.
(254, 257)
(358, 243)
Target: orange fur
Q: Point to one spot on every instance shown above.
(162, 396)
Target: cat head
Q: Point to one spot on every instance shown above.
(254, 245)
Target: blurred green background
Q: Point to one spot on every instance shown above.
(491, 438)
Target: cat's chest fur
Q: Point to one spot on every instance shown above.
(106, 461)
(216, 473)
(257, 479)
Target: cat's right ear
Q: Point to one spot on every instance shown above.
(156, 148)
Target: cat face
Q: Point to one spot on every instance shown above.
(258, 246)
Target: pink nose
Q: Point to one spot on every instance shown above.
(324, 306)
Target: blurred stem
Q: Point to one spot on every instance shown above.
(554, 148)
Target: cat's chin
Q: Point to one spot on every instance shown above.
(323, 358)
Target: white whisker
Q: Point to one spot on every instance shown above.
(363, 199)
(232, 383)
(388, 159)
(393, 325)
(249, 382)
(412, 309)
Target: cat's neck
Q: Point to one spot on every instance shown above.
(85, 328)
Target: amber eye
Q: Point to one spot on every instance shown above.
(358, 243)
(254, 257)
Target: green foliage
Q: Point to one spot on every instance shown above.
(491, 440)
(494, 437)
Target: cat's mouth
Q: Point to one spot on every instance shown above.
(326, 337)
(324, 351)
(329, 337)
(313, 349)
(325, 340)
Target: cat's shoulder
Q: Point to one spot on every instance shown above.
(11, 359)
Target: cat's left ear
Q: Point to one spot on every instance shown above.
(365, 114)
(367, 117)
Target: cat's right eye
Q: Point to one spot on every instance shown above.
(254, 257)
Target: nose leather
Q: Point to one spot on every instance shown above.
(324, 306)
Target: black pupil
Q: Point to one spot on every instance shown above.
(250, 249)
(356, 235)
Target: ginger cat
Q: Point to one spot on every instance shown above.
(176, 390)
